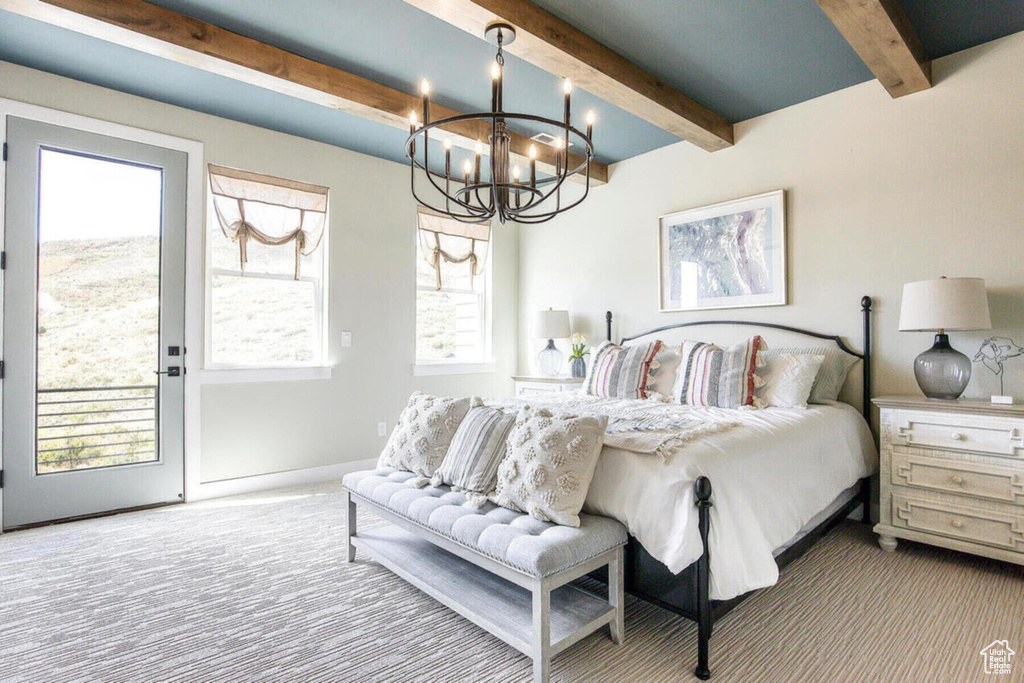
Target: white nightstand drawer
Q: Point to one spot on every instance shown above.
(953, 431)
(1005, 484)
(997, 529)
(545, 386)
(538, 389)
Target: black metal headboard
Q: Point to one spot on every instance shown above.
(865, 355)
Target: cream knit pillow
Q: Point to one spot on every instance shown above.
(424, 432)
(548, 464)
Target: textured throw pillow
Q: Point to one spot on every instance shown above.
(423, 433)
(832, 375)
(622, 371)
(788, 380)
(476, 451)
(549, 462)
(715, 377)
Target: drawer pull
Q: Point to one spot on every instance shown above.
(957, 436)
(958, 480)
(957, 524)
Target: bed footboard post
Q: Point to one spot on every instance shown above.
(702, 488)
(608, 323)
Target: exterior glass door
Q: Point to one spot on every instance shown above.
(93, 324)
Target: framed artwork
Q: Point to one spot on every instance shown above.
(728, 255)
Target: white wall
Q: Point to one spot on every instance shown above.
(251, 429)
(880, 192)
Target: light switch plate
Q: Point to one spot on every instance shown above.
(346, 339)
(382, 429)
(1003, 400)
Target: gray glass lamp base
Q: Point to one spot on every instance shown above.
(942, 371)
(549, 360)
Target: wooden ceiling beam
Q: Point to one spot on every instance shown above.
(174, 36)
(546, 41)
(879, 31)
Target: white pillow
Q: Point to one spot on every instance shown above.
(548, 464)
(832, 375)
(788, 380)
(424, 432)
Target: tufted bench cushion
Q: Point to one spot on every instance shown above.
(512, 538)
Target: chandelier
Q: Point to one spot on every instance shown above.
(500, 187)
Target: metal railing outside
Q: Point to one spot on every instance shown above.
(92, 427)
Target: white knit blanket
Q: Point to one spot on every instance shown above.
(645, 427)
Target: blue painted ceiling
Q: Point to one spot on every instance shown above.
(739, 58)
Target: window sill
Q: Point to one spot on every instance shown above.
(442, 368)
(244, 375)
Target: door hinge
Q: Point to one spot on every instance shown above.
(1, 479)
(3, 260)
(2, 369)
(5, 151)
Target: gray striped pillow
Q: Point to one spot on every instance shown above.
(477, 448)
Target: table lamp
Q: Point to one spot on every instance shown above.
(550, 325)
(956, 303)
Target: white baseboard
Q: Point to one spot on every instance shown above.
(276, 480)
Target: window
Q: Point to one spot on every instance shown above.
(266, 280)
(452, 292)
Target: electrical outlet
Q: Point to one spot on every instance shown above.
(346, 339)
(382, 429)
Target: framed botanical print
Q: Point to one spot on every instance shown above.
(728, 255)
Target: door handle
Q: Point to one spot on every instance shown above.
(172, 371)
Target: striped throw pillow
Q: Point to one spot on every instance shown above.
(714, 377)
(621, 371)
(698, 374)
(477, 448)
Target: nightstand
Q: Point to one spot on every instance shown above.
(545, 386)
(952, 475)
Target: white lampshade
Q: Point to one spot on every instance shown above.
(551, 324)
(955, 303)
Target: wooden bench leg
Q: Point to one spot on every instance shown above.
(350, 527)
(541, 632)
(616, 596)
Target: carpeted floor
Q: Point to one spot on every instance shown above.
(254, 588)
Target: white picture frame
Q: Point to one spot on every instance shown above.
(726, 255)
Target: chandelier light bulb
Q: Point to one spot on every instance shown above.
(591, 117)
(447, 144)
(479, 148)
(413, 119)
(495, 70)
(467, 167)
(567, 86)
(425, 87)
(558, 143)
(516, 173)
(533, 152)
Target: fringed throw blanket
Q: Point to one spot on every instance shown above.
(644, 427)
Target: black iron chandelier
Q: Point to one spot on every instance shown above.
(499, 188)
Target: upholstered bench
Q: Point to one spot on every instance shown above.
(503, 570)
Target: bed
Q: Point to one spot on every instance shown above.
(744, 502)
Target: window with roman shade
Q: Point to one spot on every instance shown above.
(452, 290)
(271, 211)
(266, 271)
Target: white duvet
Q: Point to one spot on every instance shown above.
(770, 476)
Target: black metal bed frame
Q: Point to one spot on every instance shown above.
(688, 593)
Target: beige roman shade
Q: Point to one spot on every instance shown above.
(451, 241)
(270, 210)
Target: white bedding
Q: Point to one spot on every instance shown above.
(770, 476)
